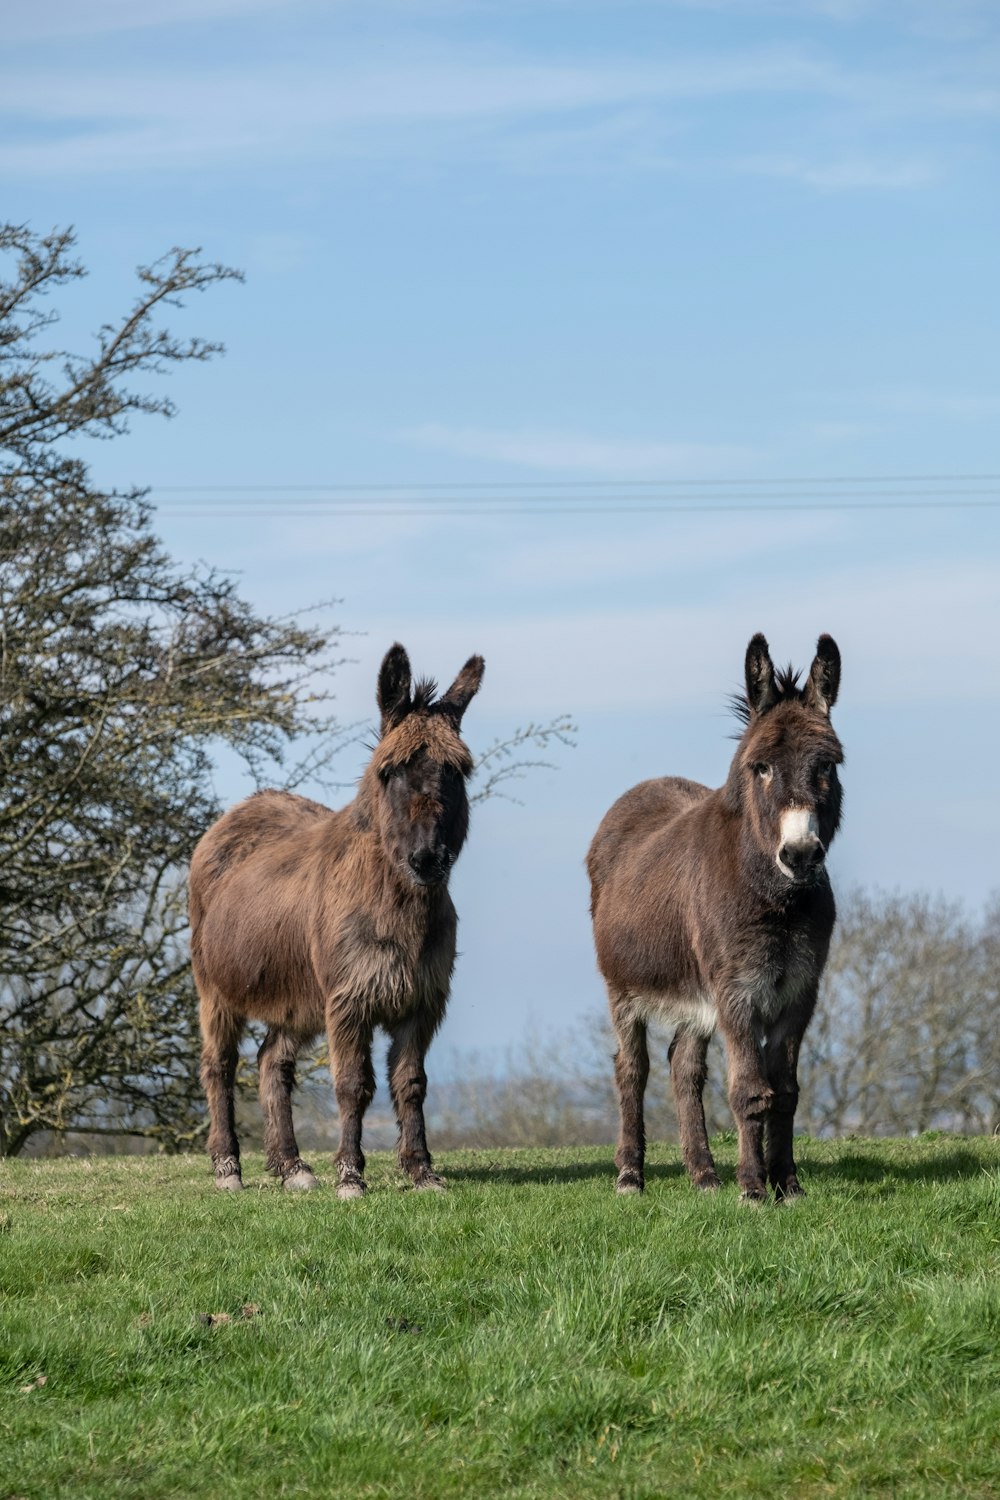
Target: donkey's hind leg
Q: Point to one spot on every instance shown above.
(220, 1041)
(688, 1073)
(631, 1073)
(276, 1061)
(408, 1087)
(354, 1082)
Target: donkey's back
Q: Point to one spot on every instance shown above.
(252, 839)
(645, 813)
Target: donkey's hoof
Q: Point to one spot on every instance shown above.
(351, 1187)
(229, 1182)
(629, 1182)
(302, 1181)
(708, 1183)
(788, 1192)
(430, 1182)
(753, 1197)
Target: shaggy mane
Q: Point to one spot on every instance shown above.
(424, 695)
(786, 680)
(786, 690)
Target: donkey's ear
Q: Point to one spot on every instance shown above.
(456, 700)
(821, 690)
(760, 676)
(394, 686)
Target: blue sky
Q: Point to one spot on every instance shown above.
(717, 245)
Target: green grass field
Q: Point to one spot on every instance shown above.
(527, 1334)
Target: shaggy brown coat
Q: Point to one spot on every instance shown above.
(312, 920)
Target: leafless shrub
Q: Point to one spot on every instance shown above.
(905, 1037)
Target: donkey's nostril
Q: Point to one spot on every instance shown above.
(422, 862)
(801, 859)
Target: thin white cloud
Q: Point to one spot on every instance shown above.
(832, 430)
(136, 118)
(581, 453)
(426, 85)
(59, 19)
(956, 20)
(664, 549)
(457, 103)
(960, 406)
(632, 138)
(846, 174)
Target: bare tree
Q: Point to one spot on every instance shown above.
(905, 1035)
(121, 674)
(985, 1026)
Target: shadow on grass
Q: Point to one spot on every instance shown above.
(949, 1166)
(950, 1163)
(557, 1172)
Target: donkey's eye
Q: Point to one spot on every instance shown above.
(762, 769)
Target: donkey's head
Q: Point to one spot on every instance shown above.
(419, 769)
(784, 774)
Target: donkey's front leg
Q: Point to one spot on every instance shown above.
(354, 1082)
(750, 1099)
(782, 1058)
(631, 1073)
(408, 1087)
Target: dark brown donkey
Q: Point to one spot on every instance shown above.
(714, 908)
(314, 920)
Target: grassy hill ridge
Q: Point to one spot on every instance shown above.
(528, 1334)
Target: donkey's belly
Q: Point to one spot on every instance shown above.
(694, 1012)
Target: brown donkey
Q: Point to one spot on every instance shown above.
(313, 920)
(714, 908)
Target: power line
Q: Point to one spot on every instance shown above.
(610, 498)
(484, 499)
(567, 484)
(456, 513)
